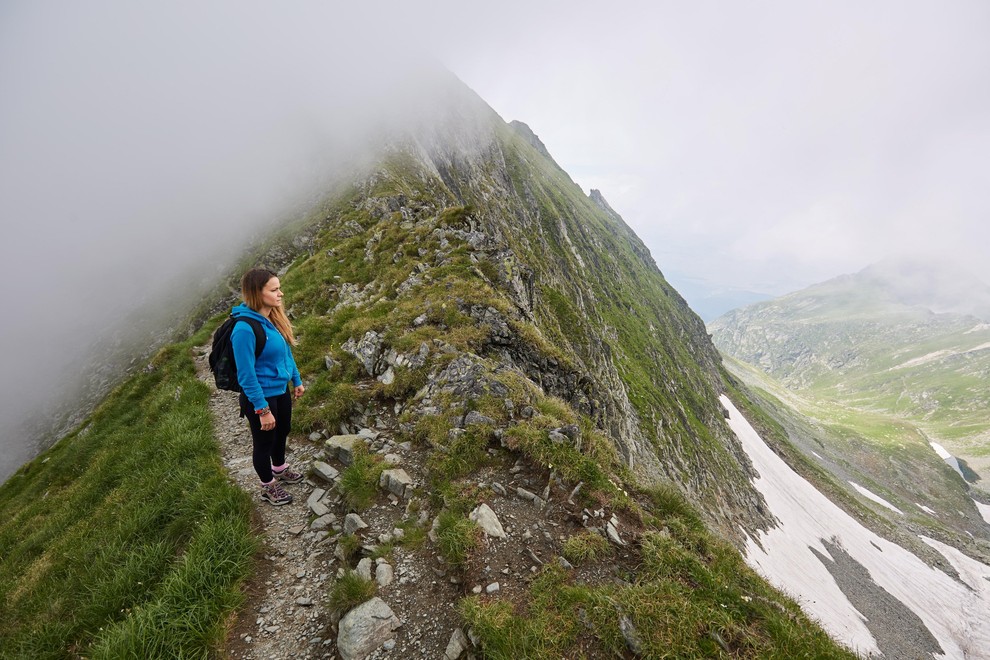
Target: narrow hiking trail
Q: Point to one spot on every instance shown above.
(283, 616)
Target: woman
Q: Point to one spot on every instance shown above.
(265, 397)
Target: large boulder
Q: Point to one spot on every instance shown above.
(365, 628)
(368, 351)
(396, 481)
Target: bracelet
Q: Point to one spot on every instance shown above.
(261, 412)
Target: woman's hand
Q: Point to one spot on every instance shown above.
(267, 421)
(299, 391)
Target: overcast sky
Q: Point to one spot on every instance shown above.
(763, 145)
(759, 145)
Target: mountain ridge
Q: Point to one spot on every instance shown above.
(465, 309)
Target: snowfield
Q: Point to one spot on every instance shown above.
(793, 556)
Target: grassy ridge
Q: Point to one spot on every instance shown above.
(601, 298)
(126, 539)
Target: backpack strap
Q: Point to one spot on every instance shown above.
(260, 338)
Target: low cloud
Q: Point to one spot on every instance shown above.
(141, 147)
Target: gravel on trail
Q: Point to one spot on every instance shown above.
(283, 616)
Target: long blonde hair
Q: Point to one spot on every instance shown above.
(252, 284)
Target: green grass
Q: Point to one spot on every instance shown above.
(693, 598)
(460, 455)
(585, 547)
(349, 545)
(350, 590)
(414, 535)
(359, 480)
(126, 539)
(457, 538)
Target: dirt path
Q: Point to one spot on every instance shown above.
(283, 616)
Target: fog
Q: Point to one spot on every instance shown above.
(142, 147)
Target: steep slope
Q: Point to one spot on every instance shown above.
(555, 285)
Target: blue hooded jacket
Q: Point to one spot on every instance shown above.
(269, 375)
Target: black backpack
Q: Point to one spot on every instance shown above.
(222, 355)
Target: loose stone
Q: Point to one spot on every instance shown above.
(488, 521)
(325, 471)
(352, 523)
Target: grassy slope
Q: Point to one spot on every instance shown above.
(125, 539)
(615, 292)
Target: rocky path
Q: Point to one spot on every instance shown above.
(283, 616)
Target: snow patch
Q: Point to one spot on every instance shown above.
(940, 450)
(948, 458)
(870, 495)
(953, 611)
(925, 509)
(921, 360)
(984, 510)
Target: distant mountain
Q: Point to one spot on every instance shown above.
(904, 338)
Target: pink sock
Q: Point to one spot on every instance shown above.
(267, 483)
(280, 468)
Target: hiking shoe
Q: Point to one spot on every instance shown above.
(287, 476)
(274, 494)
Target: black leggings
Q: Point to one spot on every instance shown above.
(269, 446)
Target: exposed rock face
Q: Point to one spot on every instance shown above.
(633, 356)
(527, 134)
